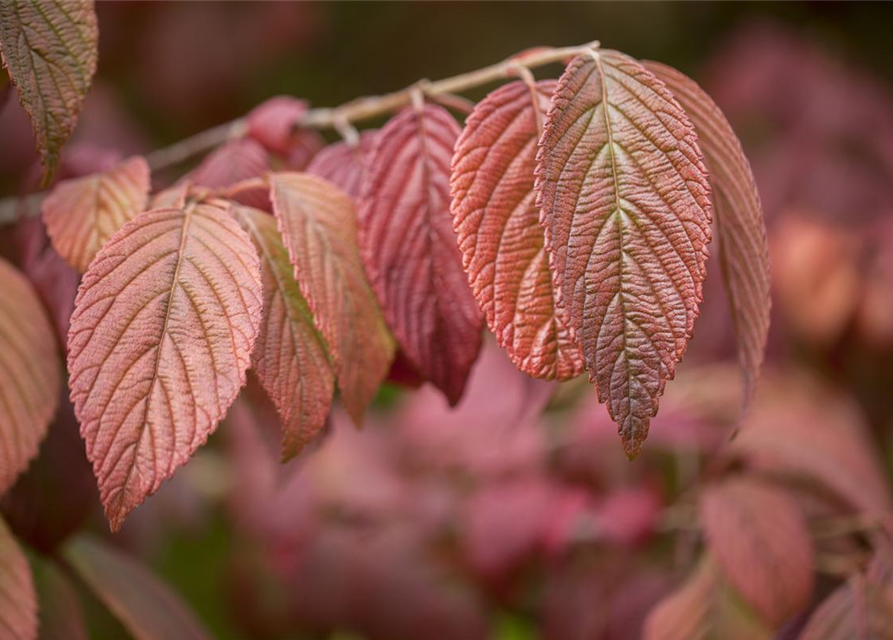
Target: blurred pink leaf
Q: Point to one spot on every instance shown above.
(18, 600)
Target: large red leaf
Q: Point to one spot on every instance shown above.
(49, 48)
(743, 249)
(856, 610)
(760, 540)
(83, 213)
(319, 230)
(496, 219)
(342, 164)
(29, 374)
(18, 600)
(290, 357)
(162, 333)
(409, 247)
(59, 611)
(144, 605)
(626, 208)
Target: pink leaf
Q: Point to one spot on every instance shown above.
(230, 163)
(273, 123)
(343, 165)
(856, 610)
(18, 600)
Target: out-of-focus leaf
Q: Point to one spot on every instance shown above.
(164, 324)
(145, 605)
(626, 208)
(18, 600)
(49, 48)
(410, 251)
(856, 610)
(59, 610)
(497, 221)
(343, 165)
(232, 162)
(83, 213)
(272, 123)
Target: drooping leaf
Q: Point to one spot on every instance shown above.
(743, 248)
(29, 374)
(319, 230)
(49, 48)
(59, 611)
(856, 610)
(343, 165)
(231, 162)
(497, 221)
(18, 600)
(290, 357)
(162, 333)
(410, 249)
(761, 543)
(83, 213)
(626, 208)
(144, 605)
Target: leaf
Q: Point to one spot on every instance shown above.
(230, 163)
(174, 196)
(162, 332)
(49, 48)
(59, 610)
(18, 600)
(856, 610)
(497, 221)
(144, 605)
(290, 357)
(82, 214)
(272, 123)
(760, 540)
(343, 165)
(410, 248)
(319, 230)
(29, 374)
(625, 204)
(743, 248)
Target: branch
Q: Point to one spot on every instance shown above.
(339, 117)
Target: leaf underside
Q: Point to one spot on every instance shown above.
(343, 165)
(161, 336)
(18, 600)
(410, 248)
(625, 204)
(500, 237)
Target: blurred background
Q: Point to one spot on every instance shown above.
(516, 515)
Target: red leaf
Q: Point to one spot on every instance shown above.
(760, 540)
(230, 163)
(497, 221)
(343, 165)
(625, 204)
(856, 610)
(143, 604)
(273, 123)
(49, 48)
(162, 333)
(58, 608)
(29, 374)
(743, 249)
(18, 601)
(290, 357)
(319, 230)
(83, 213)
(409, 247)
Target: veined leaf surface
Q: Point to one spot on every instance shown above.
(410, 249)
(18, 600)
(743, 248)
(319, 230)
(343, 165)
(500, 237)
(625, 204)
(164, 324)
(83, 213)
(291, 358)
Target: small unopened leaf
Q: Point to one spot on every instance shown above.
(496, 219)
(319, 230)
(162, 333)
(291, 358)
(29, 374)
(410, 249)
(626, 209)
(343, 165)
(59, 610)
(49, 48)
(743, 248)
(142, 602)
(18, 600)
(760, 541)
(83, 213)
(856, 610)
(230, 163)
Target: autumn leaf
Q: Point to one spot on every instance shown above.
(342, 164)
(741, 232)
(856, 610)
(59, 610)
(146, 607)
(83, 213)
(319, 230)
(272, 123)
(291, 358)
(161, 336)
(410, 248)
(231, 162)
(49, 48)
(625, 204)
(29, 374)
(18, 600)
(762, 545)
(497, 222)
